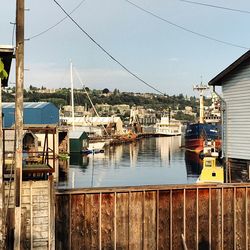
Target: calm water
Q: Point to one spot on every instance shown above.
(150, 161)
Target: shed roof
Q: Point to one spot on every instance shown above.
(75, 134)
(217, 80)
(35, 105)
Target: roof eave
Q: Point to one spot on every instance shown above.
(218, 80)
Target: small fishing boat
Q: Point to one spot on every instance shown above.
(92, 151)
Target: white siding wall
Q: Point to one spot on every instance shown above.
(236, 92)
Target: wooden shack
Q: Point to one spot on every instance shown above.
(78, 140)
(40, 147)
(235, 84)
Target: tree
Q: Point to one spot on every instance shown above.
(116, 92)
(105, 91)
(3, 73)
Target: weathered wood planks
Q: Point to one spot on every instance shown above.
(37, 231)
(154, 217)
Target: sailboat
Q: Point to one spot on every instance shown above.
(93, 147)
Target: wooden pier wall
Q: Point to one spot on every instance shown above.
(154, 217)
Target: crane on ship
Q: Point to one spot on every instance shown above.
(201, 88)
(134, 121)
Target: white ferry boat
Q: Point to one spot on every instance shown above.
(168, 127)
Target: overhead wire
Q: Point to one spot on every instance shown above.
(216, 6)
(108, 53)
(185, 29)
(56, 24)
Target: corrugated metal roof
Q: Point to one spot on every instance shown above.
(217, 80)
(35, 105)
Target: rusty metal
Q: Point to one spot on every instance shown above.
(246, 217)
(115, 221)
(209, 216)
(100, 221)
(197, 218)
(171, 218)
(157, 220)
(184, 214)
(234, 190)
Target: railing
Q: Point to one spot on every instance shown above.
(154, 217)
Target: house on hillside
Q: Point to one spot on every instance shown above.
(235, 83)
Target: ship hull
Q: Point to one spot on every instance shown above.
(197, 134)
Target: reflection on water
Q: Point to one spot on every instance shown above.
(193, 164)
(150, 161)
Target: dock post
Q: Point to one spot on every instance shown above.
(19, 120)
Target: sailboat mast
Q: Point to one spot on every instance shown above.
(72, 95)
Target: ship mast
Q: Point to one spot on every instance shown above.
(201, 89)
(72, 96)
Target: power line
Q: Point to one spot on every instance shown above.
(106, 52)
(53, 26)
(216, 6)
(185, 29)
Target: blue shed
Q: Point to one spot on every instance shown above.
(33, 112)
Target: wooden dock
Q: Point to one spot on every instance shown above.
(154, 217)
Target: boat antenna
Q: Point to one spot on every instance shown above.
(201, 88)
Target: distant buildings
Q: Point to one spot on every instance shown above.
(113, 125)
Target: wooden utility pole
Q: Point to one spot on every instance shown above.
(19, 118)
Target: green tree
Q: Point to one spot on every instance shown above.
(105, 91)
(3, 73)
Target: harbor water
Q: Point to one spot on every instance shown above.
(149, 161)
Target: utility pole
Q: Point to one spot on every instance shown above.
(19, 119)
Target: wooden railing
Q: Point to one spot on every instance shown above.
(154, 217)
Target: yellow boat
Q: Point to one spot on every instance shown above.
(211, 173)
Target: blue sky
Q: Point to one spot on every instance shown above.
(170, 59)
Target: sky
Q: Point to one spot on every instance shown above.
(168, 58)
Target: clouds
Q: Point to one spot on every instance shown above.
(49, 75)
(168, 58)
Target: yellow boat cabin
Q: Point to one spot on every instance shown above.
(211, 172)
